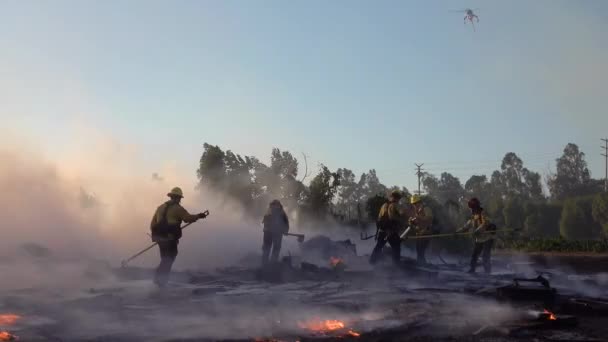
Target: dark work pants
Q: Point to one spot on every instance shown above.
(168, 252)
(485, 250)
(393, 240)
(421, 246)
(271, 241)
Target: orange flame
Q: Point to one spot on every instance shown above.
(353, 333)
(551, 315)
(6, 336)
(9, 319)
(333, 261)
(322, 326)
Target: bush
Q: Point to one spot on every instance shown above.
(542, 220)
(577, 220)
(555, 245)
(513, 213)
(600, 211)
(494, 209)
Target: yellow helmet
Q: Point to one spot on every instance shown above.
(415, 199)
(176, 192)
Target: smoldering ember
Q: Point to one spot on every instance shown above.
(306, 297)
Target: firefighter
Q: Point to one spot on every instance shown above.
(166, 231)
(484, 239)
(388, 224)
(275, 224)
(421, 219)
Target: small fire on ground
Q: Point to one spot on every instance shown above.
(550, 315)
(330, 326)
(6, 336)
(334, 262)
(5, 321)
(8, 319)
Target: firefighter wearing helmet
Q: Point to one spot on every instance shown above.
(482, 230)
(166, 231)
(390, 220)
(421, 220)
(275, 224)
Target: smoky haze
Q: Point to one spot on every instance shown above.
(97, 202)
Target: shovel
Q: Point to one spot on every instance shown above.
(125, 262)
(299, 236)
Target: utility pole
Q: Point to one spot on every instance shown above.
(419, 174)
(605, 148)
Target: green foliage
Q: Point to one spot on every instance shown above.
(495, 209)
(542, 220)
(373, 206)
(600, 211)
(577, 220)
(572, 177)
(321, 191)
(512, 197)
(513, 213)
(554, 245)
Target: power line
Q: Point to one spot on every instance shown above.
(605, 148)
(419, 174)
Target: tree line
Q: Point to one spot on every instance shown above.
(574, 208)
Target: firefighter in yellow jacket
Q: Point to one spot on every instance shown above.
(421, 220)
(166, 231)
(482, 231)
(388, 224)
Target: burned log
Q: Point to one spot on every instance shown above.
(544, 293)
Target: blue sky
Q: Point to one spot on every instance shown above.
(356, 84)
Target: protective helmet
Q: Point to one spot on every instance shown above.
(474, 203)
(415, 199)
(396, 194)
(176, 192)
(276, 202)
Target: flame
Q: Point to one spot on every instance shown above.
(322, 326)
(6, 336)
(353, 333)
(9, 319)
(551, 315)
(333, 261)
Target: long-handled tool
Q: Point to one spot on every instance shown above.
(299, 236)
(364, 236)
(126, 261)
(456, 234)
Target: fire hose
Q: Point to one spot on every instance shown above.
(451, 234)
(126, 261)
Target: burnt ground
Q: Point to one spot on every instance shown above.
(286, 303)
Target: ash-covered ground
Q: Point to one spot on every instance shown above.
(76, 300)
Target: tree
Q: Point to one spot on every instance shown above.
(517, 181)
(373, 206)
(542, 220)
(212, 169)
(321, 191)
(572, 177)
(495, 208)
(513, 213)
(445, 189)
(346, 201)
(600, 211)
(478, 186)
(577, 219)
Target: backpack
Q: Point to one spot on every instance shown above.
(162, 229)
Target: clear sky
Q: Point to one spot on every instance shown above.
(356, 84)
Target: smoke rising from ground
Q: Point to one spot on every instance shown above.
(96, 202)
